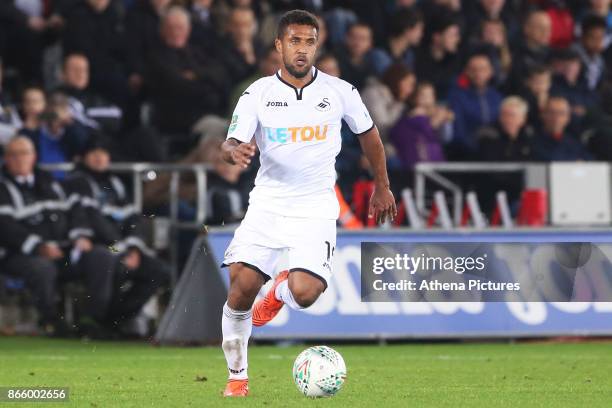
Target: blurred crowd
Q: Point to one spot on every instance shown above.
(482, 80)
(156, 81)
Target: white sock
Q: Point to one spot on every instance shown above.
(283, 293)
(236, 326)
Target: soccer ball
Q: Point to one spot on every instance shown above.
(319, 372)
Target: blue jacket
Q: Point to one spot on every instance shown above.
(472, 111)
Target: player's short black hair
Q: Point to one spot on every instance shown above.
(299, 17)
(593, 22)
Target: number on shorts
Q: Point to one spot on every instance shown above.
(330, 250)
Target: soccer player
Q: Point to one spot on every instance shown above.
(295, 117)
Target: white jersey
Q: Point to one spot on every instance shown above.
(297, 132)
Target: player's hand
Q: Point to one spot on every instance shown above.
(382, 205)
(242, 154)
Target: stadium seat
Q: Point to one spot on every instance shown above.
(533, 210)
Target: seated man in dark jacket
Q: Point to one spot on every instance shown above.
(87, 107)
(117, 224)
(46, 237)
(554, 143)
(184, 82)
(95, 28)
(510, 139)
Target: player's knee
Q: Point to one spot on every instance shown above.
(239, 300)
(244, 287)
(241, 297)
(305, 296)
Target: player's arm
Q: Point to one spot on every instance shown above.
(235, 152)
(237, 148)
(382, 203)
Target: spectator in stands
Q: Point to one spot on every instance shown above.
(590, 49)
(95, 28)
(185, 84)
(9, 118)
(206, 26)
(598, 138)
(201, 11)
(603, 9)
(493, 38)
(227, 188)
(561, 23)
(418, 136)
(437, 62)
(117, 224)
(268, 65)
(59, 138)
(47, 238)
(156, 192)
(554, 143)
(475, 104)
(328, 64)
(534, 48)
(434, 8)
(386, 98)
(21, 37)
(510, 138)
(355, 58)
(371, 13)
(142, 38)
(95, 114)
(242, 50)
(33, 104)
(86, 106)
(568, 82)
(536, 91)
(322, 47)
(491, 10)
(405, 33)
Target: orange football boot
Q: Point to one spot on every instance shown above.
(236, 388)
(267, 308)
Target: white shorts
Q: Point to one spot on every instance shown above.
(271, 243)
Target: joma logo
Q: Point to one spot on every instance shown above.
(272, 103)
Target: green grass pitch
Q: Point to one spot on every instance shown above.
(104, 374)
